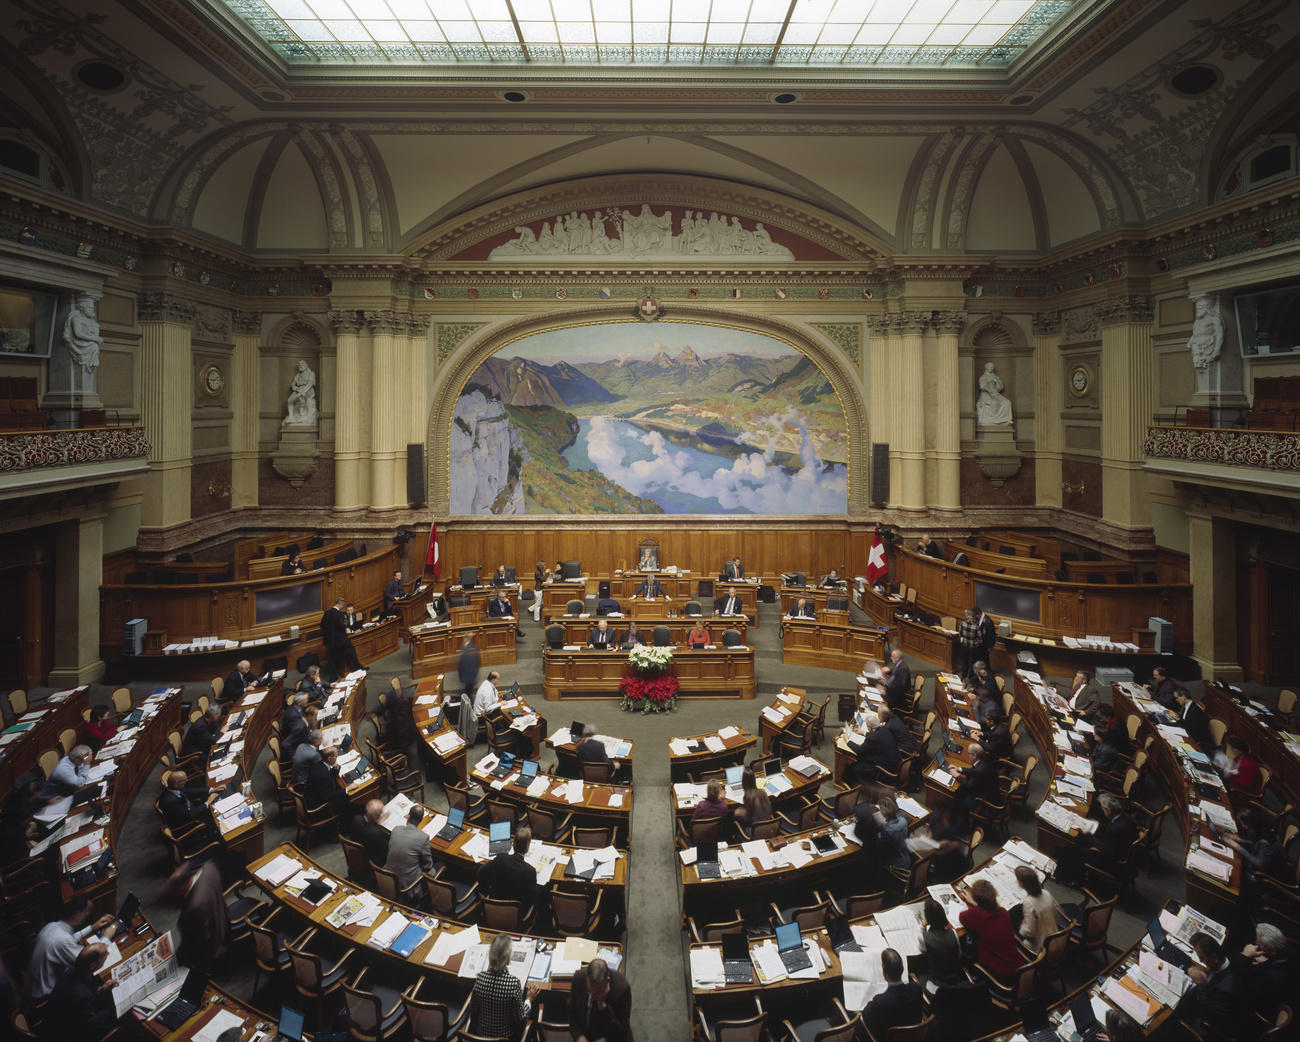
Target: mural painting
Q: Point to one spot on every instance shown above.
(633, 418)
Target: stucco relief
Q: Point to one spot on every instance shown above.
(1078, 324)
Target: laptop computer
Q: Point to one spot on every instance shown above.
(185, 1005)
(290, 1026)
(962, 728)
(1164, 947)
(1085, 1017)
(499, 838)
(92, 873)
(362, 765)
(789, 946)
(575, 731)
(841, 935)
(505, 766)
(941, 759)
(734, 774)
(706, 860)
(527, 772)
(772, 766)
(132, 718)
(735, 959)
(698, 645)
(86, 794)
(1037, 1027)
(455, 825)
(127, 912)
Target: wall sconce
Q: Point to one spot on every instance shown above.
(223, 491)
(1073, 490)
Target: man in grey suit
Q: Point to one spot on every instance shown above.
(409, 855)
(1084, 697)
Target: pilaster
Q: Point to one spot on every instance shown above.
(878, 377)
(894, 376)
(911, 417)
(347, 411)
(244, 376)
(945, 413)
(166, 397)
(78, 572)
(1049, 408)
(1127, 396)
(1212, 553)
(417, 417)
(388, 399)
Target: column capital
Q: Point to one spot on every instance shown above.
(385, 323)
(158, 306)
(878, 325)
(247, 323)
(1125, 310)
(1047, 323)
(418, 325)
(948, 323)
(912, 323)
(345, 322)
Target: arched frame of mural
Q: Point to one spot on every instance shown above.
(455, 374)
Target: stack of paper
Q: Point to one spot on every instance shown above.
(706, 968)
(277, 870)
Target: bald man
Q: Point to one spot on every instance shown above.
(241, 677)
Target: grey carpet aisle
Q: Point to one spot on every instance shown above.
(655, 962)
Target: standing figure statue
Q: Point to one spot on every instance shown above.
(302, 398)
(81, 334)
(992, 408)
(1206, 341)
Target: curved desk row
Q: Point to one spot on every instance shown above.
(622, 588)
(586, 673)
(600, 802)
(39, 729)
(1271, 738)
(577, 628)
(830, 642)
(435, 647)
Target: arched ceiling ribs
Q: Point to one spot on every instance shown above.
(1033, 190)
(961, 188)
(257, 190)
(925, 177)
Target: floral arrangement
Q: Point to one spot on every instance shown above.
(648, 685)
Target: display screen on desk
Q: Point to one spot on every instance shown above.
(1005, 600)
(288, 601)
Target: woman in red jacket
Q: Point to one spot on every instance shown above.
(997, 950)
(101, 727)
(1243, 769)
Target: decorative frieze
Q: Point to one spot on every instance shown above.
(1125, 310)
(157, 306)
(1047, 323)
(1272, 450)
(450, 335)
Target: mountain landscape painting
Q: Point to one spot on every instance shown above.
(641, 418)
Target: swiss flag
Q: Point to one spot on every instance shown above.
(431, 553)
(877, 568)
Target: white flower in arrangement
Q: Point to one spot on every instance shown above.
(648, 656)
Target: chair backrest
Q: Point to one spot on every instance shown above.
(1218, 728)
(67, 739)
(365, 1015)
(469, 576)
(273, 769)
(863, 904)
(730, 638)
(662, 637)
(47, 761)
(705, 831)
(218, 686)
(442, 896)
(917, 1032)
(810, 917)
(385, 882)
(1031, 761)
(597, 772)
(542, 822)
(1134, 724)
(743, 1029)
(841, 1032)
(1096, 920)
(503, 915)
(769, 829)
(306, 970)
(1286, 699)
(572, 909)
(574, 607)
(692, 608)
(595, 836)
(1280, 1023)
(355, 855)
(1025, 979)
(1055, 948)
(17, 702)
(266, 948)
(428, 1019)
(122, 700)
(555, 635)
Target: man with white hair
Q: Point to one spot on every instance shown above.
(1267, 970)
(878, 749)
(370, 834)
(203, 733)
(69, 774)
(497, 1006)
(898, 692)
(241, 677)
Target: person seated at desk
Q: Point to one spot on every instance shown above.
(986, 704)
(499, 607)
(941, 947)
(305, 755)
(713, 807)
(601, 636)
(996, 948)
(293, 566)
(1256, 841)
(930, 547)
(1240, 770)
(69, 774)
(409, 854)
(313, 686)
(509, 877)
(802, 609)
(877, 749)
(81, 1005)
(100, 729)
(699, 634)
(976, 782)
(995, 735)
(367, 831)
(1217, 996)
(203, 733)
(898, 1004)
(241, 678)
(1267, 969)
(321, 788)
(1106, 758)
(485, 698)
(499, 577)
(352, 618)
(907, 742)
(980, 676)
(1110, 846)
(1084, 697)
(180, 804)
(1161, 688)
(831, 580)
(1193, 718)
(600, 1004)
(651, 589)
(891, 842)
(1038, 913)
(293, 724)
(732, 569)
(730, 604)
(394, 591)
(59, 944)
(633, 636)
(592, 750)
(1113, 731)
(755, 804)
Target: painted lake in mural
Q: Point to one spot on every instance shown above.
(629, 417)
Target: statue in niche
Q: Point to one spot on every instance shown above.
(302, 398)
(81, 334)
(1206, 341)
(992, 408)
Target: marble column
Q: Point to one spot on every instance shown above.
(1127, 397)
(78, 572)
(910, 417)
(1049, 406)
(1212, 554)
(388, 398)
(894, 369)
(946, 411)
(417, 408)
(244, 377)
(347, 411)
(166, 397)
(878, 377)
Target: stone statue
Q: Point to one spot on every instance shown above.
(993, 408)
(1206, 341)
(302, 398)
(81, 333)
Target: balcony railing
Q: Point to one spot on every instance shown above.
(1272, 450)
(33, 450)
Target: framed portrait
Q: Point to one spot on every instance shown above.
(647, 556)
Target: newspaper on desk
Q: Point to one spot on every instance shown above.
(864, 977)
(150, 970)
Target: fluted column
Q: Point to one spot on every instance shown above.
(878, 376)
(417, 410)
(388, 398)
(1127, 395)
(166, 396)
(347, 410)
(78, 571)
(894, 368)
(244, 374)
(910, 416)
(1212, 556)
(1049, 406)
(945, 411)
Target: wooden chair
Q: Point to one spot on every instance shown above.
(840, 805)
(546, 827)
(1091, 935)
(47, 761)
(283, 797)
(576, 913)
(451, 900)
(358, 864)
(269, 953)
(430, 1019)
(1055, 948)
(918, 1032)
(1010, 993)
(122, 700)
(593, 836)
(858, 905)
(458, 795)
(309, 821)
(315, 977)
(711, 933)
(511, 916)
(406, 780)
(1018, 795)
(996, 816)
(804, 815)
(809, 917)
(1218, 728)
(744, 1022)
(375, 1013)
(67, 739)
(17, 699)
(597, 773)
(843, 1028)
(819, 720)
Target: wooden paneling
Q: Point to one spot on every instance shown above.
(437, 649)
(828, 644)
(268, 567)
(993, 561)
(598, 674)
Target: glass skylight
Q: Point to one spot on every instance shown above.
(947, 33)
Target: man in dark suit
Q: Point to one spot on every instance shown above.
(802, 609)
(898, 1004)
(730, 604)
(293, 566)
(897, 726)
(180, 806)
(600, 1004)
(1084, 697)
(831, 580)
(732, 569)
(1161, 688)
(1217, 993)
(467, 666)
(996, 735)
(394, 591)
(353, 619)
(509, 877)
(499, 608)
(1193, 718)
(293, 726)
(500, 578)
(203, 733)
(312, 686)
(879, 748)
(601, 636)
(898, 691)
(240, 678)
(988, 631)
(321, 788)
(204, 922)
(338, 645)
(1113, 841)
(592, 750)
(651, 588)
(930, 547)
(367, 831)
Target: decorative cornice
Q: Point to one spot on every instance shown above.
(385, 323)
(1132, 310)
(1046, 323)
(159, 306)
(345, 323)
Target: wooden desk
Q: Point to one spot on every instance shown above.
(200, 665)
(215, 1000)
(376, 640)
(830, 642)
(878, 605)
(1263, 733)
(556, 595)
(348, 699)
(701, 759)
(604, 803)
(792, 788)
(268, 567)
(721, 672)
(985, 560)
(354, 937)
(779, 714)
(442, 741)
(566, 752)
(57, 713)
(264, 706)
(477, 608)
(436, 648)
(927, 642)
(577, 628)
(413, 609)
(814, 595)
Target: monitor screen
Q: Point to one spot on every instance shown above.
(499, 830)
(290, 1023)
(456, 816)
(734, 774)
(787, 936)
